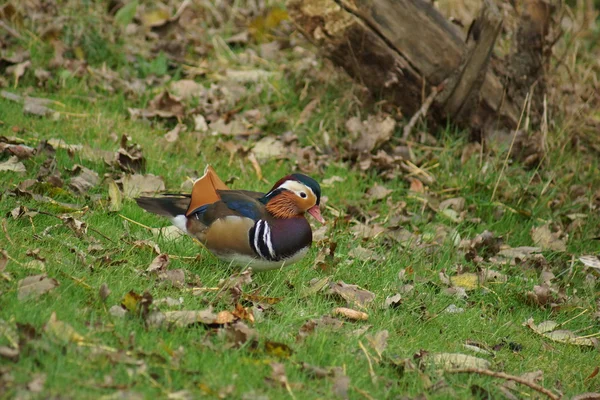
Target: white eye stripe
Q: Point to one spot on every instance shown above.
(296, 187)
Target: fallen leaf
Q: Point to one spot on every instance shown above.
(363, 254)
(369, 134)
(341, 384)
(364, 231)
(115, 196)
(173, 135)
(322, 323)
(62, 331)
(268, 148)
(19, 150)
(187, 88)
(175, 276)
(590, 261)
(393, 301)
(332, 180)
(548, 330)
(467, 281)
(159, 263)
(13, 164)
(104, 292)
(36, 385)
(378, 192)
(185, 318)
(77, 226)
(316, 285)
(35, 286)
(378, 341)
(353, 294)
(350, 314)
(450, 361)
(279, 350)
(86, 180)
(248, 76)
(141, 185)
(235, 127)
(170, 232)
(547, 240)
(278, 375)
(240, 333)
(416, 185)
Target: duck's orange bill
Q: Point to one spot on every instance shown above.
(315, 211)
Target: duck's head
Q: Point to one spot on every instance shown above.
(294, 195)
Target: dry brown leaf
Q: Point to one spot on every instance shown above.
(77, 226)
(457, 360)
(341, 384)
(590, 261)
(352, 294)
(21, 151)
(248, 76)
(115, 196)
(62, 331)
(378, 192)
(316, 285)
(159, 263)
(548, 330)
(378, 341)
(169, 232)
(13, 164)
(35, 286)
(363, 254)
(268, 148)
(278, 375)
(364, 231)
(350, 314)
(416, 185)
(173, 135)
(186, 89)
(542, 236)
(235, 127)
(370, 134)
(141, 185)
(393, 301)
(86, 180)
(175, 276)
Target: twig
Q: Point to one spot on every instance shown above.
(135, 222)
(507, 377)
(510, 148)
(5, 229)
(371, 371)
(421, 112)
(10, 30)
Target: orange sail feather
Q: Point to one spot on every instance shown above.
(205, 190)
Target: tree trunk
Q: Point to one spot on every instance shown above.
(402, 49)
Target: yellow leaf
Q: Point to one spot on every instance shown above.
(155, 18)
(280, 350)
(467, 281)
(131, 301)
(63, 331)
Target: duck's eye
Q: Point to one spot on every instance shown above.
(303, 195)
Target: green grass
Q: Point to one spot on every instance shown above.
(199, 360)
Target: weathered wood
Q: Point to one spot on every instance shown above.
(463, 94)
(400, 49)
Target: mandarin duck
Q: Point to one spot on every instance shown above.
(261, 230)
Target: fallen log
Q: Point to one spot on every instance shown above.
(402, 50)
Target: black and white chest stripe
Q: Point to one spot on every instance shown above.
(260, 241)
